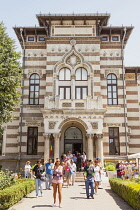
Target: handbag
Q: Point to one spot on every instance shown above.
(71, 171)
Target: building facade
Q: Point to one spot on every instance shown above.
(77, 94)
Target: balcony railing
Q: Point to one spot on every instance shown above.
(57, 103)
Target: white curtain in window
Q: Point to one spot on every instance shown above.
(61, 93)
(67, 93)
(67, 74)
(78, 93)
(78, 74)
(84, 74)
(61, 74)
(84, 90)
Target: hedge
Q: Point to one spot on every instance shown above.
(11, 195)
(128, 190)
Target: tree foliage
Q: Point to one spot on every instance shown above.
(10, 76)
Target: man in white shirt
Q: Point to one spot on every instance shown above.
(73, 175)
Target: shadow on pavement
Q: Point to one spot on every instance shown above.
(119, 201)
(81, 185)
(41, 206)
(77, 198)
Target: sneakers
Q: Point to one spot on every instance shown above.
(54, 205)
(87, 197)
(42, 194)
(92, 196)
(36, 195)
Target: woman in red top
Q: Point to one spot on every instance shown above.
(67, 173)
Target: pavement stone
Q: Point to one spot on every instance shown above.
(74, 198)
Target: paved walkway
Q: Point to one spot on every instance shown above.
(74, 198)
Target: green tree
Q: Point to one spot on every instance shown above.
(10, 76)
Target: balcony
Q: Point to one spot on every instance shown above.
(72, 104)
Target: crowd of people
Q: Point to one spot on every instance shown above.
(127, 170)
(63, 171)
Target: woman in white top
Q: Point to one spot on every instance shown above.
(27, 169)
(97, 177)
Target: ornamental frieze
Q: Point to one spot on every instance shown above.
(31, 71)
(130, 76)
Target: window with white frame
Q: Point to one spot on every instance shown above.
(112, 91)
(64, 74)
(81, 74)
(31, 38)
(115, 38)
(81, 92)
(32, 140)
(105, 38)
(41, 38)
(34, 85)
(114, 144)
(65, 92)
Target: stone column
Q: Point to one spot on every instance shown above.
(46, 146)
(73, 87)
(56, 145)
(90, 146)
(99, 147)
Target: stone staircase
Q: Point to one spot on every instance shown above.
(79, 177)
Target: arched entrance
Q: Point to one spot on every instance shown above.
(73, 140)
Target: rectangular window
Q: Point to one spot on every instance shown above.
(32, 141)
(115, 38)
(1, 141)
(105, 38)
(65, 92)
(31, 38)
(114, 144)
(81, 92)
(41, 38)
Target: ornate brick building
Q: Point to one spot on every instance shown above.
(77, 94)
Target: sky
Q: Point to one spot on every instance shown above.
(123, 12)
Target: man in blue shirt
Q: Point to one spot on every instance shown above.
(49, 174)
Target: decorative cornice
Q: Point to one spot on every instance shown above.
(113, 124)
(112, 71)
(33, 123)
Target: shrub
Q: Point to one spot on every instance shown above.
(11, 195)
(110, 168)
(128, 190)
(6, 180)
(109, 163)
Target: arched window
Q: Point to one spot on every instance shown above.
(81, 74)
(112, 92)
(64, 74)
(34, 89)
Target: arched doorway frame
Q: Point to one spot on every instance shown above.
(73, 122)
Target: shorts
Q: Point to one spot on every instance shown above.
(67, 175)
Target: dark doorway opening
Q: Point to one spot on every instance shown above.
(73, 140)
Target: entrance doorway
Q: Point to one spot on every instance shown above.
(73, 140)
